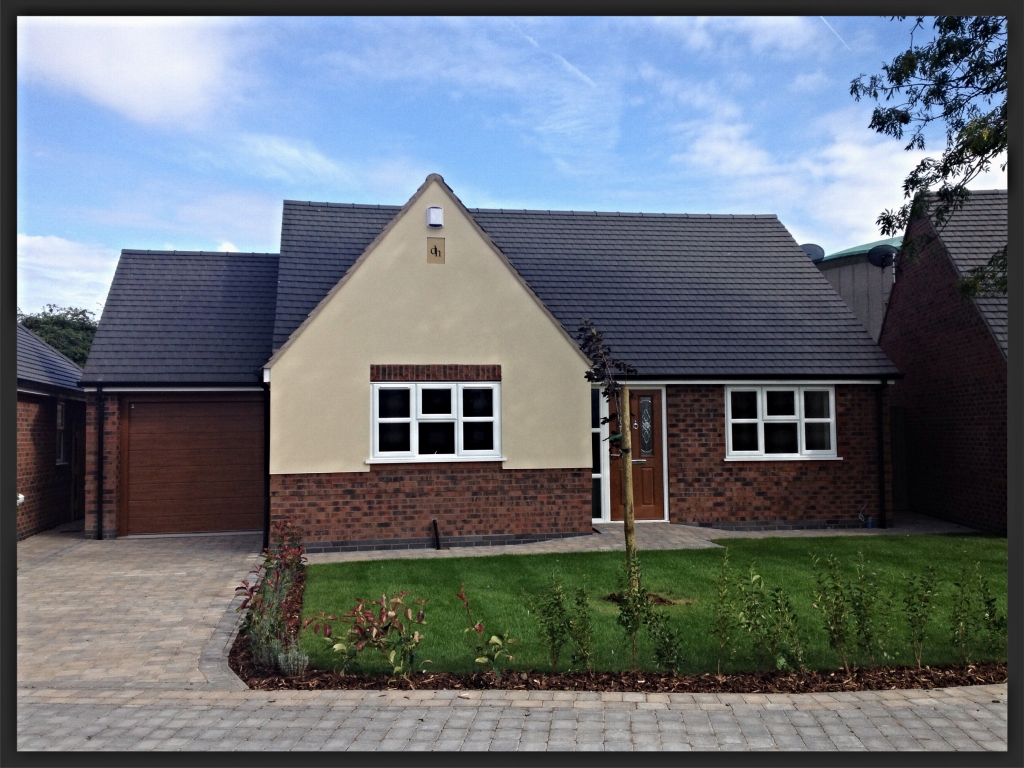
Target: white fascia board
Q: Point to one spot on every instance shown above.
(633, 383)
(177, 389)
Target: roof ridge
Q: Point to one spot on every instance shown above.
(153, 252)
(640, 214)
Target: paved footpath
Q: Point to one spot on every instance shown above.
(140, 663)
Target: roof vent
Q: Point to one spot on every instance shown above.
(435, 216)
(882, 256)
(815, 252)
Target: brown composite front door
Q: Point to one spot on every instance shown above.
(192, 463)
(648, 448)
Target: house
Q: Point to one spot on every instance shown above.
(952, 401)
(864, 287)
(394, 368)
(51, 436)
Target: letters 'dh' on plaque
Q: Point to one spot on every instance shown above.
(435, 250)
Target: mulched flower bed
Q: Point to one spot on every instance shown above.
(880, 678)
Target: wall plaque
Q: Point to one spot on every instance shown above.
(435, 250)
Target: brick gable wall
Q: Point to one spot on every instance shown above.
(392, 505)
(706, 490)
(953, 394)
(47, 486)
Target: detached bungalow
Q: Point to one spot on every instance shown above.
(51, 435)
(396, 366)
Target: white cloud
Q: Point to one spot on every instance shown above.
(287, 160)
(52, 270)
(152, 70)
(761, 33)
(809, 82)
(228, 247)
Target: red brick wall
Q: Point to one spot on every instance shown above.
(392, 505)
(111, 465)
(435, 373)
(953, 394)
(705, 489)
(47, 487)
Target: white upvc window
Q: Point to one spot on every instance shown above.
(768, 423)
(436, 421)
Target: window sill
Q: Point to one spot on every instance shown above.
(783, 458)
(434, 459)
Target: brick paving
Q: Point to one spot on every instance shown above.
(140, 664)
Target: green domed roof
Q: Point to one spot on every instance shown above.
(859, 250)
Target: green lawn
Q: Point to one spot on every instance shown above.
(502, 588)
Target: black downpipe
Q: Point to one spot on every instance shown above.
(99, 462)
(882, 522)
(266, 466)
(437, 536)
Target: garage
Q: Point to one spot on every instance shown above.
(192, 463)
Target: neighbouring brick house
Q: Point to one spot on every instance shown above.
(952, 403)
(51, 436)
(395, 366)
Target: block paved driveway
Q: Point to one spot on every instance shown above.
(122, 645)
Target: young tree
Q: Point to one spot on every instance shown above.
(957, 79)
(69, 330)
(604, 369)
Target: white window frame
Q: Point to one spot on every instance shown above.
(416, 416)
(803, 453)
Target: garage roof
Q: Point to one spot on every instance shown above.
(185, 317)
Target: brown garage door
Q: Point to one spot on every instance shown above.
(192, 464)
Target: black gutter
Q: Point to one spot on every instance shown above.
(881, 458)
(99, 460)
(266, 466)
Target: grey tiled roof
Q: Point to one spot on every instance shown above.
(971, 235)
(39, 363)
(674, 294)
(187, 317)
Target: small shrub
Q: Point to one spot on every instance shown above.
(752, 616)
(264, 622)
(864, 596)
(581, 630)
(383, 628)
(976, 624)
(634, 605)
(785, 641)
(487, 651)
(667, 640)
(554, 618)
(725, 621)
(918, 607)
(292, 662)
(831, 598)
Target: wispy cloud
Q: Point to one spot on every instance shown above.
(152, 70)
(809, 82)
(276, 157)
(787, 34)
(52, 270)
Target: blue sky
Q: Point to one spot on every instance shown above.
(188, 133)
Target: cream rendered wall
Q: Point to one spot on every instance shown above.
(397, 309)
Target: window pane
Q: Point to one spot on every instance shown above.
(476, 436)
(595, 408)
(437, 438)
(744, 405)
(393, 404)
(393, 437)
(744, 437)
(437, 401)
(780, 404)
(816, 405)
(646, 427)
(780, 438)
(595, 450)
(476, 402)
(818, 437)
(596, 499)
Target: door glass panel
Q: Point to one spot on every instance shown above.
(816, 405)
(437, 401)
(595, 450)
(437, 437)
(744, 437)
(744, 405)
(596, 499)
(817, 437)
(393, 437)
(393, 403)
(477, 436)
(646, 427)
(595, 409)
(780, 404)
(476, 402)
(780, 438)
